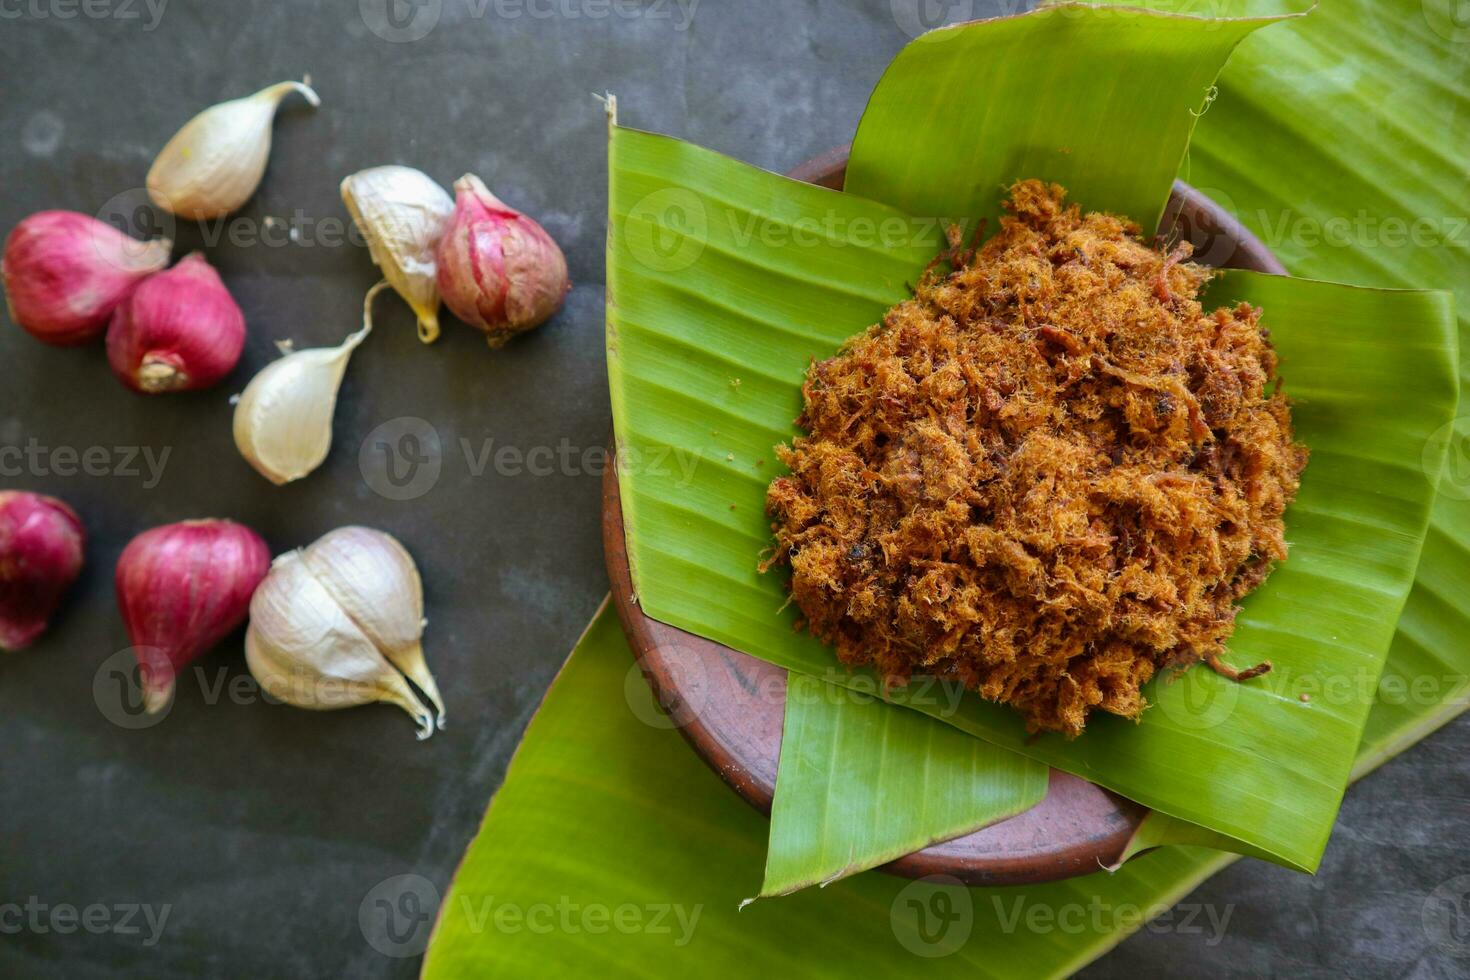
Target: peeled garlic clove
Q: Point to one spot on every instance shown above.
(304, 649)
(283, 421)
(214, 163)
(402, 212)
(65, 272)
(182, 588)
(372, 577)
(499, 270)
(41, 543)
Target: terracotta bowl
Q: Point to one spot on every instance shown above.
(729, 705)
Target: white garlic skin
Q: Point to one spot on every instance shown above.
(283, 420)
(402, 213)
(214, 163)
(372, 576)
(318, 619)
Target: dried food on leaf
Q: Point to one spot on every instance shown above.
(1048, 474)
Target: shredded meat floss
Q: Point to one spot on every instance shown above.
(1049, 474)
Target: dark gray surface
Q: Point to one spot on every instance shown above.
(263, 826)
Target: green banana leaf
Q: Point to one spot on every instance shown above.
(612, 849)
(1100, 100)
(874, 275)
(934, 176)
(1362, 176)
(683, 330)
(925, 80)
(862, 783)
(1375, 197)
(1305, 663)
(1067, 122)
(519, 853)
(881, 166)
(666, 229)
(1445, 556)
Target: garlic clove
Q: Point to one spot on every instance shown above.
(498, 269)
(215, 162)
(307, 651)
(283, 420)
(180, 330)
(372, 577)
(360, 681)
(182, 588)
(402, 213)
(41, 553)
(65, 272)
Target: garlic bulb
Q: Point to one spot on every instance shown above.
(214, 163)
(402, 213)
(334, 623)
(283, 421)
(373, 577)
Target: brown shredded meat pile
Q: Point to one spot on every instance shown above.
(1048, 475)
